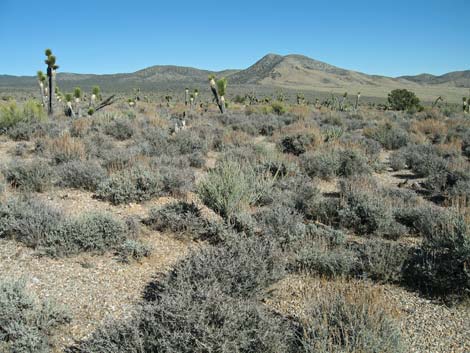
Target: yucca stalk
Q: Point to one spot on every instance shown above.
(186, 96)
(358, 96)
(51, 72)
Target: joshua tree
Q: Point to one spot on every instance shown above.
(95, 96)
(186, 96)
(51, 70)
(168, 99)
(218, 90)
(300, 98)
(358, 96)
(465, 104)
(42, 82)
(77, 95)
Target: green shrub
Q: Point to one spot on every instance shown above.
(85, 175)
(278, 108)
(29, 176)
(26, 325)
(130, 185)
(11, 114)
(402, 99)
(231, 188)
(397, 160)
(351, 163)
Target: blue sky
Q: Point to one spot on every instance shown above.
(102, 36)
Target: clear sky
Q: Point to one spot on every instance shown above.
(394, 37)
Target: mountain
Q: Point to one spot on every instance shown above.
(456, 79)
(272, 72)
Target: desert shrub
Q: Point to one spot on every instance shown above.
(381, 260)
(185, 220)
(66, 148)
(424, 160)
(136, 184)
(97, 145)
(11, 114)
(402, 99)
(278, 108)
(119, 158)
(367, 213)
(121, 129)
(29, 176)
(297, 144)
(85, 175)
(92, 232)
(206, 303)
(281, 224)
(440, 266)
(26, 323)
(176, 181)
(397, 160)
(23, 131)
(390, 137)
(230, 188)
(29, 221)
(323, 164)
(351, 163)
(188, 141)
(132, 250)
(350, 319)
(196, 160)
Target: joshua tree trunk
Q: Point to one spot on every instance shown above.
(51, 90)
(43, 94)
(216, 96)
(222, 104)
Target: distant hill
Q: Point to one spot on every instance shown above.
(272, 72)
(457, 79)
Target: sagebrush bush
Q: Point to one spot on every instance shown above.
(120, 129)
(323, 164)
(391, 137)
(136, 184)
(86, 175)
(29, 176)
(231, 188)
(440, 266)
(184, 220)
(27, 324)
(133, 250)
(206, 303)
(47, 229)
(176, 181)
(348, 320)
(382, 260)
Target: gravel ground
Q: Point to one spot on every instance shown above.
(427, 327)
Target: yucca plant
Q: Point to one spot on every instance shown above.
(343, 101)
(51, 72)
(358, 96)
(218, 89)
(186, 96)
(464, 104)
(95, 96)
(42, 86)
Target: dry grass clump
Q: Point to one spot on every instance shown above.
(66, 148)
